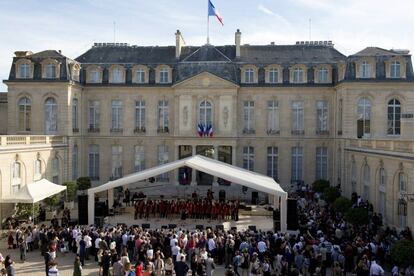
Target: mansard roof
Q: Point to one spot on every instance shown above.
(376, 51)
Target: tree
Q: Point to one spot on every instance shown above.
(342, 204)
(71, 188)
(320, 185)
(357, 216)
(330, 194)
(403, 253)
(84, 183)
(53, 201)
(26, 210)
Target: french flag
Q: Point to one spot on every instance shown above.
(210, 130)
(212, 11)
(200, 130)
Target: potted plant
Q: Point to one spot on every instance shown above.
(83, 183)
(52, 202)
(26, 211)
(71, 191)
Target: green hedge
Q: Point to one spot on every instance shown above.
(342, 204)
(25, 210)
(357, 216)
(403, 253)
(84, 183)
(320, 185)
(71, 188)
(330, 194)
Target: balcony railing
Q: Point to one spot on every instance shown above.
(117, 130)
(20, 140)
(163, 130)
(273, 132)
(249, 131)
(322, 132)
(406, 146)
(139, 130)
(297, 132)
(93, 129)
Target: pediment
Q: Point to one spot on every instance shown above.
(205, 80)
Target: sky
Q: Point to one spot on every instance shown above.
(74, 25)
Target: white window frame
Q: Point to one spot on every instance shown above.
(298, 75)
(24, 70)
(322, 117)
(140, 116)
(248, 158)
(394, 118)
(117, 115)
(164, 75)
(25, 114)
(163, 116)
(298, 117)
(365, 70)
(16, 177)
(321, 163)
(139, 160)
(364, 110)
(273, 75)
(395, 69)
(249, 75)
(51, 115)
(50, 70)
(93, 162)
(273, 117)
(94, 114)
(248, 117)
(55, 170)
(323, 75)
(366, 174)
(205, 113)
(272, 162)
(297, 164)
(140, 75)
(402, 182)
(116, 164)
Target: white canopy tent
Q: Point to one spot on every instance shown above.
(207, 165)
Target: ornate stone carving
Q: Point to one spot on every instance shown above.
(225, 116)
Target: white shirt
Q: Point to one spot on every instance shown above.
(261, 246)
(88, 241)
(375, 269)
(74, 233)
(211, 244)
(124, 239)
(175, 250)
(97, 241)
(173, 241)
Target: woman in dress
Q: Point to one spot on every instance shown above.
(77, 268)
(169, 267)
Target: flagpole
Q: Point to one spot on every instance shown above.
(208, 22)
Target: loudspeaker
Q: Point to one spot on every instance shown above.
(199, 227)
(82, 209)
(255, 198)
(146, 226)
(252, 227)
(276, 225)
(276, 214)
(164, 227)
(222, 195)
(292, 214)
(220, 227)
(100, 209)
(172, 226)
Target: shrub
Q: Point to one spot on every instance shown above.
(320, 185)
(84, 183)
(26, 210)
(342, 204)
(54, 200)
(330, 194)
(71, 188)
(403, 253)
(357, 216)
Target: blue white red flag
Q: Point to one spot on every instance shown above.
(212, 11)
(200, 129)
(210, 130)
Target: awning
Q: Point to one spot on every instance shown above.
(34, 192)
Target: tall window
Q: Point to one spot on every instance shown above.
(248, 158)
(24, 71)
(297, 159)
(353, 176)
(395, 69)
(75, 125)
(402, 213)
(365, 70)
(139, 162)
(340, 111)
(51, 116)
(273, 117)
(94, 76)
(17, 177)
(322, 163)
(93, 162)
(206, 112)
(323, 75)
(163, 116)
(50, 71)
(117, 115)
(298, 75)
(367, 181)
(94, 115)
(402, 183)
(322, 116)
(273, 75)
(37, 169)
(25, 114)
(55, 170)
(249, 75)
(382, 192)
(75, 162)
(364, 118)
(117, 75)
(140, 75)
(272, 162)
(248, 117)
(163, 159)
(297, 117)
(140, 116)
(394, 117)
(116, 162)
(164, 75)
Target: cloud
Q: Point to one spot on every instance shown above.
(278, 17)
(265, 10)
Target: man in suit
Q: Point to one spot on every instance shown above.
(181, 268)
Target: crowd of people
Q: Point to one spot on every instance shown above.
(326, 244)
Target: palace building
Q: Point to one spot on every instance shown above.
(297, 113)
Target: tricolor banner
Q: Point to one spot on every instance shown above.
(212, 11)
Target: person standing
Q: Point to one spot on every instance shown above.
(376, 269)
(48, 259)
(53, 270)
(82, 251)
(22, 247)
(210, 266)
(8, 264)
(77, 267)
(181, 268)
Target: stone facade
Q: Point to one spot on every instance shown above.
(294, 112)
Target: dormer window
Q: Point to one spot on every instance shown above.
(249, 75)
(164, 75)
(395, 69)
(94, 76)
(323, 75)
(50, 70)
(298, 75)
(140, 75)
(24, 71)
(365, 70)
(75, 72)
(273, 75)
(117, 75)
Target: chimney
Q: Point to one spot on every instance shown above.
(23, 53)
(179, 42)
(237, 38)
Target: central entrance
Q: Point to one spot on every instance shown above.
(205, 179)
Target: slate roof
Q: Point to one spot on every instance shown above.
(376, 51)
(227, 71)
(47, 54)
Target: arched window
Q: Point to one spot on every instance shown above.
(402, 213)
(365, 70)
(117, 75)
(25, 109)
(394, 117)
(75, 162)
(273, 75)
(382, 192)
(94, 75)
(24, 70)
(164, 75)
(353, 176)
(75, 108)
(298, 75)
(367, 182)
(364, 118)
(395, 69)
(50, 70)
(402, 182)
(249, 75)
(55, 170)
(206, 114)
(17, 177)
(140, 75)
(323, 75)
(51, 116)
(37, 169)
